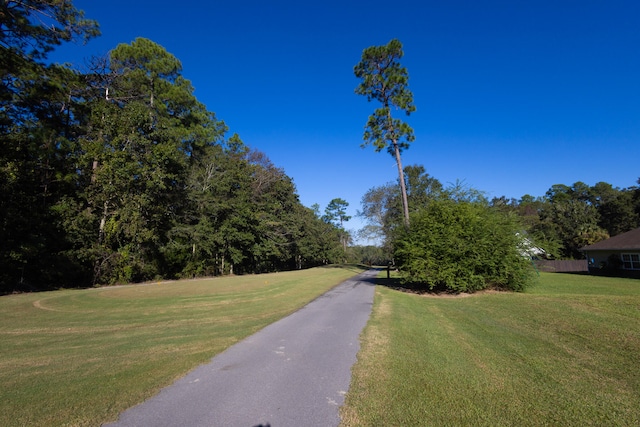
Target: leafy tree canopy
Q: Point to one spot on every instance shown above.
(32, 28)
(336, 212)
(462, 247)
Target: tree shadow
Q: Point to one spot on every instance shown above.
(397, 284)
(383, 281)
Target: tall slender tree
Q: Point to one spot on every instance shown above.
(386, 81)
(336, 214)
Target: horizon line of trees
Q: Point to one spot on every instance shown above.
(119, 174)
(563, 220)
(569, 217)
(458, 240)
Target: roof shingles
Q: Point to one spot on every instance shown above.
(625, 241)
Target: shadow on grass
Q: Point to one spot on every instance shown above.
(393, 283)
(397, 284)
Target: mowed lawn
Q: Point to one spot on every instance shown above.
(565, 353)
(80, 357)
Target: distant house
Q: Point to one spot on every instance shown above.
(619, 255)
(527, 249)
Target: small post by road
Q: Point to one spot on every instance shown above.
(389, 271)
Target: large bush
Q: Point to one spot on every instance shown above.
(462, 247)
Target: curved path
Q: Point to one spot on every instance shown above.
(294, 372)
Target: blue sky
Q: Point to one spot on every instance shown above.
(512, 96)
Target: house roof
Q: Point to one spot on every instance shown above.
(624, 241)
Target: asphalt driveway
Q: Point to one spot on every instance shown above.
(294, 372)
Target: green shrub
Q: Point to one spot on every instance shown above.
(462, 247)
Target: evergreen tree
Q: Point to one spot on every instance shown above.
(421, 187)
(144, 129)
(616, 208)
(336, 214)
(385, 80)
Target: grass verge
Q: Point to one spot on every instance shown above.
(80, 357)
(567, 352)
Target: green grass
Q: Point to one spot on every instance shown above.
(565, 353)
(80, 357)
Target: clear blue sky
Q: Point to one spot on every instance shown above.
(512, 96)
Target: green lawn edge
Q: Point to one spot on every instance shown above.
(564, 353)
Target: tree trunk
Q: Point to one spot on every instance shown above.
(103, 222)
(94, 168)
(403, 187)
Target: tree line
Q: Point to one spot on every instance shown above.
(119, 174)
(458, 235)
(569, 217)
(563, 220)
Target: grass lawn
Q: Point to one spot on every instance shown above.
(565, 353)
(80, 357)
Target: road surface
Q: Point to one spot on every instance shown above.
(294, 372)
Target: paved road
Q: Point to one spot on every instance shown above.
(294, 372)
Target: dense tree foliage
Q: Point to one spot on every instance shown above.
(562, 221)
(336, 212)
(569, 217)
(455, 256)
(382, 206)
(462, 246)
(455, 242)
(369, 255)
(38, 129)
(120, 174)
